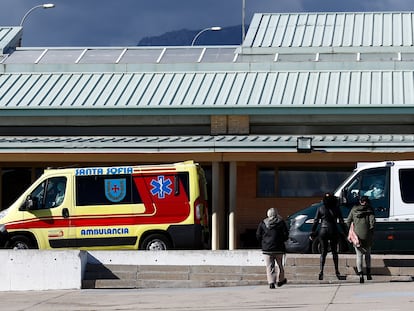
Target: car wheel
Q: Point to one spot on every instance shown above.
(19, 242)
(156, 242)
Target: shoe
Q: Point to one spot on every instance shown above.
(272, 285)
(369, 277)
(281, 283)
(338, 275)
(320, 277)
(361, 277)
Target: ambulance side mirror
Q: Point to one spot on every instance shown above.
(27, 204)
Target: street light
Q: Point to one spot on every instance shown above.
(215, 28)
(44, 6)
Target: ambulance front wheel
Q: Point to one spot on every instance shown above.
(19, 242)
(156, 242)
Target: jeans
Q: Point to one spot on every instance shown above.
(360, 252)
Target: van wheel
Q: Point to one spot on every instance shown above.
(342, 246)
(156, 242)
(19, 242)
(316, 246)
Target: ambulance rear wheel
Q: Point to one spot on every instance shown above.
(156, 242)
(19, 242)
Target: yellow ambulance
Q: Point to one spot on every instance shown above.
(149, 207)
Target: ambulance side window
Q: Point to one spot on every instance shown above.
(106, 190)
(52, 197)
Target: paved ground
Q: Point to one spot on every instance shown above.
(338, 297)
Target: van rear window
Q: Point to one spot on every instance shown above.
(406, 185)
(105, 190)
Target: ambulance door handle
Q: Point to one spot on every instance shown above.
(65, 213)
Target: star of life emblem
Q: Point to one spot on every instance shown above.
(161, 187)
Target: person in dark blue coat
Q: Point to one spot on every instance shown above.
(327, 217)
(272, 233)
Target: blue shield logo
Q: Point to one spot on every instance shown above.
(115, 189)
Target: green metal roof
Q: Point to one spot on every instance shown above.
(301, 73)
(254, 93)
(333, 30)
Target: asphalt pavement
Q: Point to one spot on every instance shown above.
(368, 296)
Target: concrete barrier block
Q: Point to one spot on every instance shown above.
(41, 270)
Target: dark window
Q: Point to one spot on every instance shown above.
(406, 185)
(266, 185)
(309, 183)
(297, 182)
(14, 181)
(106, 190)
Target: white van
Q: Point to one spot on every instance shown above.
(390, 187)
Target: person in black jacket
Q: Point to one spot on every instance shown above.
(272, 233)
(328, 215)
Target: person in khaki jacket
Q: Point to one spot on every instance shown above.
(363, 220)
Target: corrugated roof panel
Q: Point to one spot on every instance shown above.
(113, 91)
(63, 90)
(407, 34)
(184, 89)
(278, 32)
(333, 86)
(267, 90)
(191, 144)
(268, 36)
(150, 90)
(227, 86)
(279, 88)
(312, 86)
(261, 32)
(299, 31)
(159, 96)
(174, 87)
(103, 89)
(343, 88)
(322, 88)
(397, 29)
(290, 30)
(208, 89)
(408, 87)
(358, 29)
(196, 83)
(251, 95)
(368, 30)
(301, 89)
(72, 90)
(309, 31)
(355, 86)
(398, 89)
(320, 29)
(387, 30)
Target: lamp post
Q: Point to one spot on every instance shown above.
(243, 19)
(44, 6)
(215, 28)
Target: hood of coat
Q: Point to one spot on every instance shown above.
(363, 211)
(271, 222)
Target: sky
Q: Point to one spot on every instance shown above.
(126, 22)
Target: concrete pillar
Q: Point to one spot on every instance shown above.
(217, 221)
(233, 205)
